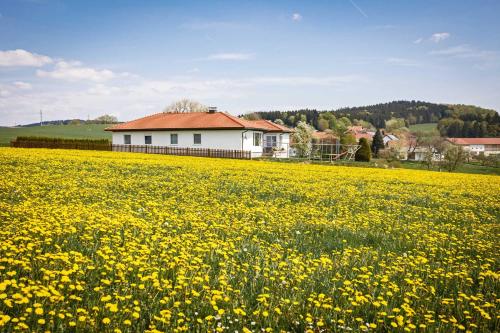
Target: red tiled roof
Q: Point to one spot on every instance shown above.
(475, 141)
(270, 126)
(355, 128)
(323, 135)
(367, 135)
(360, 132)
(194, 120)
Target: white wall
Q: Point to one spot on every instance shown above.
(475, 149)
(248, 143)
(213, 139)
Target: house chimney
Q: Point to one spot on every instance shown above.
(212, 109)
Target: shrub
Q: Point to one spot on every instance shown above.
(61, 140)
(364, 153)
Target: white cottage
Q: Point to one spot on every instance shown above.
(210, 130)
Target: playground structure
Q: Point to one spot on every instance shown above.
(315, 151)
(331, 152)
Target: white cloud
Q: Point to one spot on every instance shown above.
(402, 62)
(103, 90)
(466, 52)
(22, 85)
(231, 56)
(297, 17)
(418, 40)
(358, 8)
(439, 36)
(18, 58)
(74, 71)
(138, 97)
(483, 59)
(301, 80)
(453, 51)
(4, 92)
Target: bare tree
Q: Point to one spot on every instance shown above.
(454, 157)
(106, 119)
(433, 146)
(186, 105)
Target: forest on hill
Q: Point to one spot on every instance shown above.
(454, 120)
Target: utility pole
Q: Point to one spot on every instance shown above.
(41, 119)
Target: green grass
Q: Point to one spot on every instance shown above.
(87, 131)
(473, 168)
(429, 127)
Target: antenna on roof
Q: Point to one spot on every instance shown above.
(212, 109)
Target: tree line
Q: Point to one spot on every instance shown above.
(453, 120)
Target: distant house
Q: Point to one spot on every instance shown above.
(487, 146)
(209, 130)
(360, 132)
(390, 139)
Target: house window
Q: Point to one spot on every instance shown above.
(127, 139)
(147, 139)
(272, 141)
(257, 139)
(197, 139)
(174, 139)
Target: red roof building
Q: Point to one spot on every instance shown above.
(359, 132)
(475, 146)
(204, 130)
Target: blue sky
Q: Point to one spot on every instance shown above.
(79, 59)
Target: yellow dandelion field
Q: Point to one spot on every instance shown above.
(120, 242)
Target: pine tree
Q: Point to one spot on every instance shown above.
(363, 154)
(377, 143)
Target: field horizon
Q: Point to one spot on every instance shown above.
(81, 131)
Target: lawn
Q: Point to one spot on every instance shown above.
(86, 131)
(472, 168)
(428, 127)
(121, 242)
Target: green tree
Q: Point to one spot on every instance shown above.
(323, 124)
(364, 153)
(377, 143)
(347, 139)
(252, 116)
(394, 124)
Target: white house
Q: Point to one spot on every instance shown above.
(487, 146)
(210, 130)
